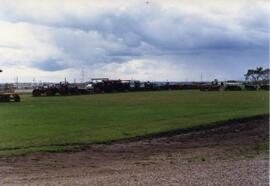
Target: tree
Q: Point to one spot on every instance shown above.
(257, 74)
(266, 74)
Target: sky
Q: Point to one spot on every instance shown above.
(156, 40)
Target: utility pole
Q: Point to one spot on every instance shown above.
(17, 82)
(34, 82)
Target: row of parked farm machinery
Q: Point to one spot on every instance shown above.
(105, 85)
(98, 85)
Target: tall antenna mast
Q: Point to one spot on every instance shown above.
(82, 75)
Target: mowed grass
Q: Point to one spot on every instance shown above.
(61, 123)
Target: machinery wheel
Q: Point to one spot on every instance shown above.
(49, 93)
(17, 98)
(63, 92)
(36, 93)
(4, 98)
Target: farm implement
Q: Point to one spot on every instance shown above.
(7, 93)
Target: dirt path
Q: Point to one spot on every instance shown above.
(234, 154)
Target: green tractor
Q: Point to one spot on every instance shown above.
(7, 93)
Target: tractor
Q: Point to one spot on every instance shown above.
(211, 86)
(61, 89)
(105, 85)
(7, 93)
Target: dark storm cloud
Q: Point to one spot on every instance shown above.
(178, 32)
(124, 36)
(163, 31)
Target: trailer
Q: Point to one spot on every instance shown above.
(233, 85)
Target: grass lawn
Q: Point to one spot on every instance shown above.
(61, 123)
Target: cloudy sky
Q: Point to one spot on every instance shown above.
(175, 40)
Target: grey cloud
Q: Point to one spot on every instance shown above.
(50, 65)
(138, 33)
(169, 35)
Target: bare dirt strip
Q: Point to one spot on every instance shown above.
(234, 153)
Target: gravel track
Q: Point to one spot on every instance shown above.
(226, 155)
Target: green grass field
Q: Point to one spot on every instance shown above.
(61, 123)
